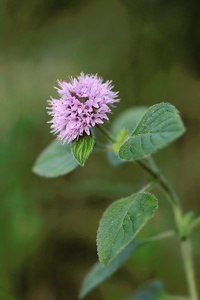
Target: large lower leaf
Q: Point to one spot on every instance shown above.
(55, 160)
(160, 125)
(98, 273)
(120, 223)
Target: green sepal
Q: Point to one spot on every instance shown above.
(82, 147)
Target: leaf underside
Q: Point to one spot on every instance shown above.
(153, 290)
(55, 160)
(98, 273)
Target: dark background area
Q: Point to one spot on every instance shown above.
(150, 49)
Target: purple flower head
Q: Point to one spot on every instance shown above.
(83, 103)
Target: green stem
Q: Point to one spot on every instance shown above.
(106, 133)
(160, 236)
(148, 187)
(171, 195)
(161, 180)
(185, 244)
(186, 250)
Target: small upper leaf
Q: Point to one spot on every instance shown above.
(98, 273)
(160, 125)
(82, 148)
(122, 220)
(127, 119)
(55, 160)
(187, 222)
(122, 135)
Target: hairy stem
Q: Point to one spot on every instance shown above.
(106, 133)
(186, 251)
(185, 244)
(160, 236)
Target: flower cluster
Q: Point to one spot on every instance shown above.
(83, 103)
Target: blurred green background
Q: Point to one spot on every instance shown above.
(150, 49)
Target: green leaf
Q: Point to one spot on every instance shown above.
(154, 290)
(98, 273)
(128, 120)
(121, 221)
(160, 125)
(55, 160)
(82, 148)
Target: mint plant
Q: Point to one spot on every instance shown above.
(135, 135)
